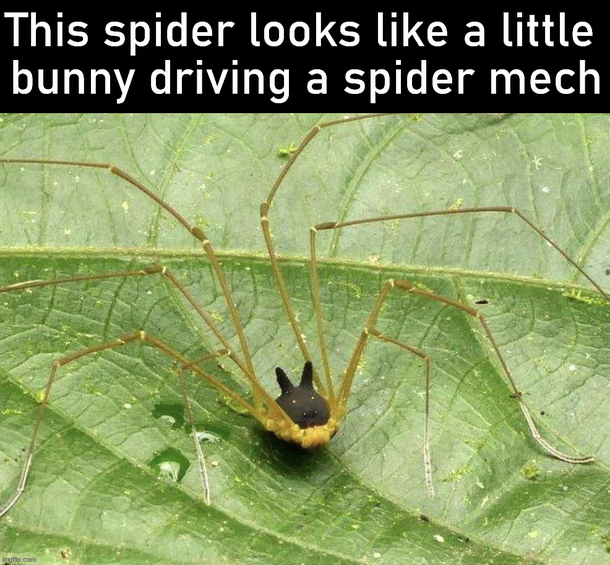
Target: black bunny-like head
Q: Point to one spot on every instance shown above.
(302, 403)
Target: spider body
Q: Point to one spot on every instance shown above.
(308, 410)
(307, 438)
(308, 414)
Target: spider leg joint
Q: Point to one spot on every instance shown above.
(198, 234)
(326, 226)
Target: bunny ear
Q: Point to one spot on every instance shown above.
(307, 377)
(283, 380)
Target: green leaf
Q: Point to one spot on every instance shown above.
(115, 476)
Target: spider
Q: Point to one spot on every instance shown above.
(309, 413)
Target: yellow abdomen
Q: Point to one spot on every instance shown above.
(307, 438)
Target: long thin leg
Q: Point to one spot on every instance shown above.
(315, 280)
(412, 289)
(409, 287)
(206, 357)
(193, 230)
(277, 274)
(479, 210)
(259, 393)
(203, 472)
(159, 269)
(339, 225)
(427, 371)
(122, 341)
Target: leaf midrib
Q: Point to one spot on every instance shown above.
(295, 260)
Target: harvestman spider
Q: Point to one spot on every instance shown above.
(307, 415)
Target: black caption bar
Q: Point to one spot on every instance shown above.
(262, 60)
